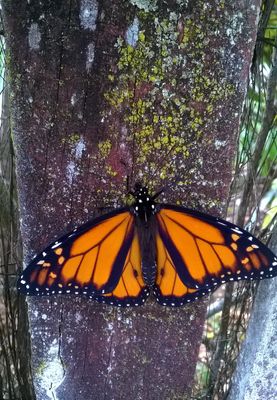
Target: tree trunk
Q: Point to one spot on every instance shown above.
(102, 91)
(256, 374)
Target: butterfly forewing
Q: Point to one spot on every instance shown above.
(89, 260)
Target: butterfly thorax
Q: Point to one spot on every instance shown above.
(144, 206)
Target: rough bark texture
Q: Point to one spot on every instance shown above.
(101, 91)
(256, 373)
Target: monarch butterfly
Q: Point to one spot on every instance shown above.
(119, 258)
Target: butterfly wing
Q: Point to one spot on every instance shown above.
(199, 252)
(92, 260)
(169, 289)
(131, 289)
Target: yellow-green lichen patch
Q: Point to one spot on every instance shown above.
(144, 90)
(110, 171)
(164, 91)
(71, 139)
(104, 148)
(41, 368)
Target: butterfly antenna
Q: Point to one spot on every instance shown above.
(128, 184)
(157, 194)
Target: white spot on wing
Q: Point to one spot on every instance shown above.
(236, 230)
(57, 244)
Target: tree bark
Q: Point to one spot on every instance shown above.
(256, 374)
(102, 91)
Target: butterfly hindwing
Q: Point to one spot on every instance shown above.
(131, 289)
(169, 288)
(205, 252)
(89, 260)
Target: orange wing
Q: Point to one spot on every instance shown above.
(131, 289)
(97, 258)
(197, 252)
(169, 289)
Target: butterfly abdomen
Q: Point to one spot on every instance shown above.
(146, 233)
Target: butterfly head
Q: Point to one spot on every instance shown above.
(144, 205)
